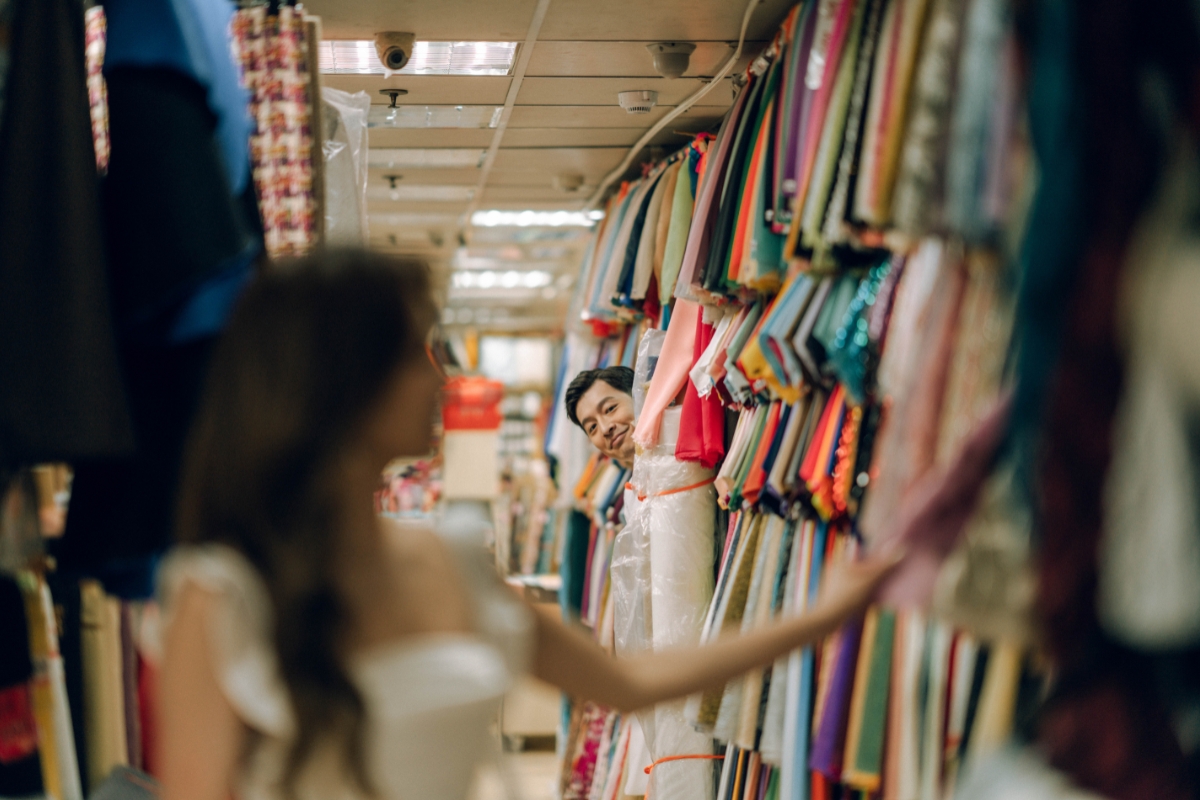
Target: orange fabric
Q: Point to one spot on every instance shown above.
(642, 495)
(757, 476)
(745, 215)
(812, 459)
(665, 759)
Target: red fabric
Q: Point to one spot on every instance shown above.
(702, 420)
(652, 305)
(18, 729)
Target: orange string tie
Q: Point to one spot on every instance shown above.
(643, 495)
(694, 757)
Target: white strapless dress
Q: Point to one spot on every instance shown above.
(431, 699)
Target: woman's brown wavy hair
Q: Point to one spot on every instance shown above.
(310, 349)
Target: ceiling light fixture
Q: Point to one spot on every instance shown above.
(509, 279)
(526, 219)
(359, 57)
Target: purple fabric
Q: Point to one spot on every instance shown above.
(829, 744)
(791, 151)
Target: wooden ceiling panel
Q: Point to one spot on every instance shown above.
(603, 91)
(612, 116)
(571, 137)
(520, 197)
(390, 207)
(430, 137)
(426, 177)
(621, 59)
(545, 160)
(427, 90)
(444, 20)
(660, 20)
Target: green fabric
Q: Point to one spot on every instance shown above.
(716, 269)
(825, 166)
(743, 470)
(681, 220)
(834, 311)
(754, 132)
(734, 607)
(869, 760)
(773, 786)
(763, 258)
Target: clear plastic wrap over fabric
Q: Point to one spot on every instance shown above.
(679, 528)
(649, 349)
(629, 576)
(344, 145)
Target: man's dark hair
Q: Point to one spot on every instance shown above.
(620, 378)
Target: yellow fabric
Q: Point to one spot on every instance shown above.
(998, 701)
(103, 689)
(664, 223)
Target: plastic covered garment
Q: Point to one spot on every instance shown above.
(344, 147)
(1150, 552)
(430, 698)
(674, 515)
(629, 584)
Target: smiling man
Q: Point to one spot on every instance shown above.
(601, 402)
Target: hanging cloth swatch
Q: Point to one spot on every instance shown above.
(696, 252)
(702, 424)
(671, 373)
(274, 52)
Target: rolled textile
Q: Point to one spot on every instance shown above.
(678, 506)
(49, 689)
(104, 705)
(629, 578)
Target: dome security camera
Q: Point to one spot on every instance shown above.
(394, 48)
(671, 58)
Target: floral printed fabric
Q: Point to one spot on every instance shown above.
(273, 53)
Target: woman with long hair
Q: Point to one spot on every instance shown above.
(316, 651)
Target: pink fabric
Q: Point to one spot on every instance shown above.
(935, 513)
(702, 421)
(672, 371)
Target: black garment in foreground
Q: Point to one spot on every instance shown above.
(62, 395)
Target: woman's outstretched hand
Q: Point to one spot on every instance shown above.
(848, 587)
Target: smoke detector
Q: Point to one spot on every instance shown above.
(671, 58)
(639, 102)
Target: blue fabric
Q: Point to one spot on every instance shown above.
(1054, 240)
(208, 309)
(191, 36)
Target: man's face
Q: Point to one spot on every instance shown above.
(606, 416)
